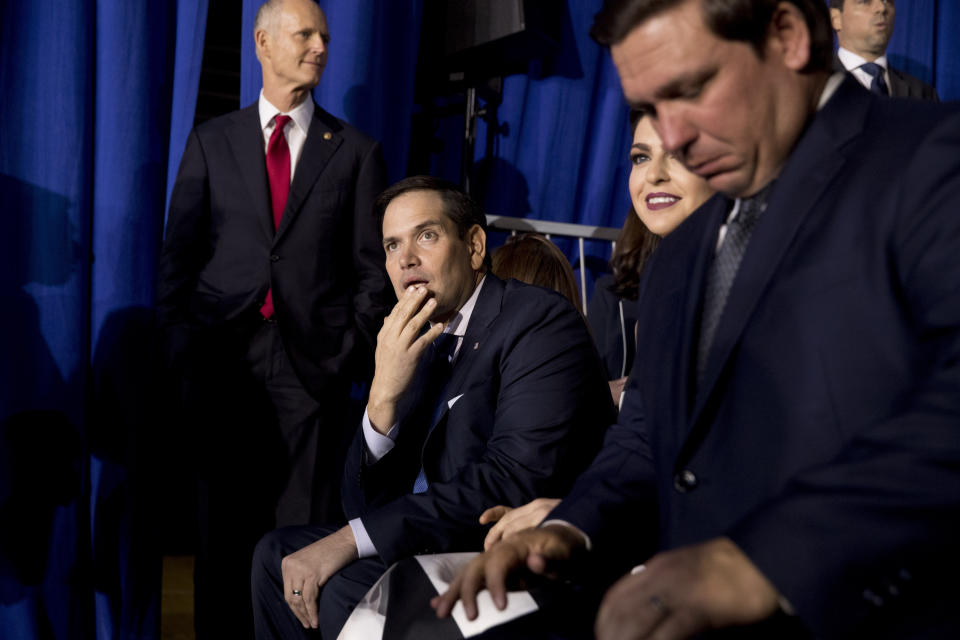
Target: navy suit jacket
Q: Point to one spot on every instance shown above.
(902, 84)
(825, 436)
(324, 262)
(529, 408)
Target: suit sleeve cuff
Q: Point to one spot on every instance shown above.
(378, 445)
(564, 523)
(365, 548)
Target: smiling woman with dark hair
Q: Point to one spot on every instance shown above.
(662, 193)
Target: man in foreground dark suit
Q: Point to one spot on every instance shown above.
(271, 291)
(864, 29)
(788, 446)
(517, 411)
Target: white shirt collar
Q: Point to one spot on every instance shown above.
(301, 114)
(458, 324)
(851, 61)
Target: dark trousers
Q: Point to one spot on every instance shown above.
(269, 455)
(273, 617)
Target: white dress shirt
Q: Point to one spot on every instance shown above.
(851, 62)
(295, 131)
(378, 445)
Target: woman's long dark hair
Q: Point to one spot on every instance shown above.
(634, 245)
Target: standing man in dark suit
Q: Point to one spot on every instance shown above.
(502, 399)
(788, 453)
(864, 29)
(272, 289)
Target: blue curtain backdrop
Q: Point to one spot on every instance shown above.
(92, 98)
(45, 191)
(925, 44)
(99, 96)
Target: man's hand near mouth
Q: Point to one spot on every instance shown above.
(399, 348)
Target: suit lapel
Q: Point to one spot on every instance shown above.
(485, 312)
(322, 141)
(811, 168)
(246, 142)
(899, 87)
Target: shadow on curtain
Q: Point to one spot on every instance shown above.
(82, 180)
(99, 97)
(45, 193)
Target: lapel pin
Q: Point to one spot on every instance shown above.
(476, 345)
(327, 135)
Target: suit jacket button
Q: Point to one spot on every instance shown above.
(685, 481)
(274, 258)
(870, 596)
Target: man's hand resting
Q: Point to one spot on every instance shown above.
(684, 592)
(308, 569)
(509, 521)
(542, 551)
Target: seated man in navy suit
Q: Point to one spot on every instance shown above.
(787, 460)
(485, 392)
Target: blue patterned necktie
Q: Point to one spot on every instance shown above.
(877, 85)
(724, 269)
(440, 357)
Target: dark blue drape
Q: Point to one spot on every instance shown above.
(83, 164)
(559, 145)
(45, 193)
(135, 54)
(910, 48)
(99, 96)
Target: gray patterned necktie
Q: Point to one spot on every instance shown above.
(724, 269)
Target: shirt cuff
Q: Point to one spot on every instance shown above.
(365, 548)
(564, 523)
(378, 445)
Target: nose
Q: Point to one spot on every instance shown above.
(318, 45)
(407, 256)
(674, 130)
(657, 169)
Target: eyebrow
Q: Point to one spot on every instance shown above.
(642, 146)
(420, 227)
(678, 87)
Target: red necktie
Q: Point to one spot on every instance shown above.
(278, 173)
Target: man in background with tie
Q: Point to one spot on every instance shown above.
(485, 392)
(864, 28)
(786, 462)
(271, 291)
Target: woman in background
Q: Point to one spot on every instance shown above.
(534, 259)
(663, 193)
(611, 310)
